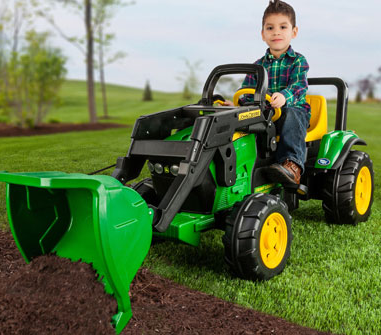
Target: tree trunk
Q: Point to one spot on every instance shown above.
(16, 27)
(102, 75)
(90, 63)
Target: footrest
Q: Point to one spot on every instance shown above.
(294, 188)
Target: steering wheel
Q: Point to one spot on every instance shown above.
(278, 111)
(218, 98)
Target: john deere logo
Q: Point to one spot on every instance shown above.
(249, 115)
(324, 161)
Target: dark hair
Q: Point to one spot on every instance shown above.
(279, 7)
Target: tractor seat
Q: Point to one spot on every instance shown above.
(318, 123)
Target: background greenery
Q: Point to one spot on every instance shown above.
(333, 279)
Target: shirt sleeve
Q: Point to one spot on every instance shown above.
(297, 85)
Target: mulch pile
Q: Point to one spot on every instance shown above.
(52, 295)
(53, 128)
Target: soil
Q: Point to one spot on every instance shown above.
(52, 295)
(7, 130)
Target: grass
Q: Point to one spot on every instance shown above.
(333, 278)
(124, 104)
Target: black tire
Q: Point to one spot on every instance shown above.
(340, 202)
(248, 222)
(146, 190)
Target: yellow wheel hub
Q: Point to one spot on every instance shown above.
(273, 240)
(363, 190)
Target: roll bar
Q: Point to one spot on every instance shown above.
(342, 98)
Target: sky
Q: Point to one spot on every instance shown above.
(339, 38)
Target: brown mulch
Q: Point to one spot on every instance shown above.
(52, 295)
(7, 130)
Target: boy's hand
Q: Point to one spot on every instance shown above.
(227, 103)
(277, 100)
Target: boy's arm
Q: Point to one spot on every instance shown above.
(298, 85)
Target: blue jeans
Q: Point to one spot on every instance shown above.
(292, 145)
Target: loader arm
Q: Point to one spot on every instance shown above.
(211, 138)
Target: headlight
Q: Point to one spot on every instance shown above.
(174, 170)
(158, 168)
(151, 168)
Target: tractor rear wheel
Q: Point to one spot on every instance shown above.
(348, 194)
(258, 237)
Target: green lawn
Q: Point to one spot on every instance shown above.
(333, 279)
(124, 104)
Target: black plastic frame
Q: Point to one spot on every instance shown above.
(342, 98)
(211, 81)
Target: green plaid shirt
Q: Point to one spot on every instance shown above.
(287, 75)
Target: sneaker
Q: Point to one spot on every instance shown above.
(286, 173)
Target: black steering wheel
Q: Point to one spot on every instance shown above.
(247, 90)
(218, 98)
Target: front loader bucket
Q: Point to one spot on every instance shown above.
(90, 218)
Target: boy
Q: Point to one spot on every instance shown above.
(287, 71)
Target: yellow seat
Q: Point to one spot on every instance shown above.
(318, 123)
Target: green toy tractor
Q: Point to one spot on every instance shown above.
(207, 166)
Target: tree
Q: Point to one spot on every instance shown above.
(187, 95)
(358, 98)
(370, 95)
(35, 76)
(46, 69)
(15, 16)
(104, 10)
(90, 62)
(83, 8)
(96, 15)
(147, 94)
(368, 84)
(189, 78)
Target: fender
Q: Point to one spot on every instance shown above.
(345, 151)
(335, 147)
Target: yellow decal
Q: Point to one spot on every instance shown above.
(249, 115)
(264, 188)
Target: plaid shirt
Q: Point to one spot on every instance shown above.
(287, 75)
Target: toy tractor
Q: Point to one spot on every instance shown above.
(207, 166)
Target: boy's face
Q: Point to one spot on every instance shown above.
(278, 32)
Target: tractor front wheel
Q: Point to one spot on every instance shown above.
(348, 194)
(258, 237)
(147, 192)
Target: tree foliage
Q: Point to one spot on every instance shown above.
(368, 84)
(33, 78)
(31, 71)
(189, 78)
(147, 93)
(358, 97)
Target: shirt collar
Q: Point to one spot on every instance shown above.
(290, 52)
